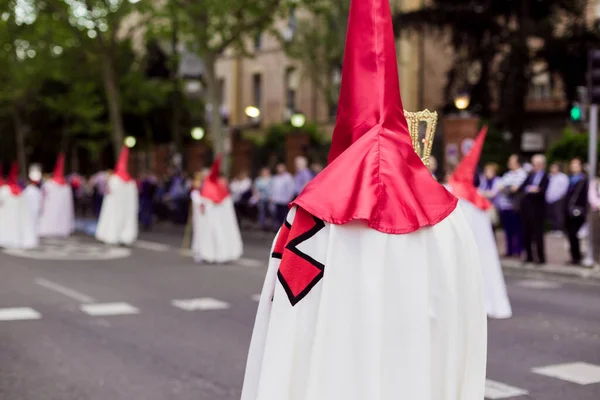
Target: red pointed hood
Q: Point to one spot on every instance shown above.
(374, 173)
(13, 177)
(462, 178)
(59, 170)
(214, 188)
(121, 167)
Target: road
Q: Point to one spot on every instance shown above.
(80, 321)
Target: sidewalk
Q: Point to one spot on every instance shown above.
(557, 254)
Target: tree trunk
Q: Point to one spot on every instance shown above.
(20, 133)
(149, 142)
(216, 125)
(113, 98)
(176, 93)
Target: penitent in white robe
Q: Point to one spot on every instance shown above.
(497, 302)
(57, 218)
(17, 227)
(216, 234)
(393, 317)
(118, 222)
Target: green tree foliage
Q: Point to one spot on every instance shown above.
(571, 145)
(483, 32)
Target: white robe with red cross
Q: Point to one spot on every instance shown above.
(348, 312)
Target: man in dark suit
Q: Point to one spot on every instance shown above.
(576, 204)
(533, 208)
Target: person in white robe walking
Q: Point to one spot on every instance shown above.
(17, 227)
(57, 218)
(374, 288)
(477, 208)
(118, 222)
(33, 194)
(216, 234)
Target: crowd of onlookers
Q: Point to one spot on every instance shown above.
(262, 202)
(266, 199)
(531, 199)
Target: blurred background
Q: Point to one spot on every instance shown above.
(180, 81)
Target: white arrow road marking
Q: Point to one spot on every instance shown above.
(18, 314)
(75, 295)
(205, 303)
(579, 372)
(106, 309)
(496, 390)
(539, 284)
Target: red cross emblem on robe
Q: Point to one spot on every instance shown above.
(298, 272)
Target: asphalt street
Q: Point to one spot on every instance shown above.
(81, 321)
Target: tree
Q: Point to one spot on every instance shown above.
(208, 29)
(98, 27)
(318, 45)
(486, 30)
(27, 37)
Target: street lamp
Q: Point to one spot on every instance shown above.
(298, 120)
(252, 112)
(197, 133)
(462, 102)
(130, 141)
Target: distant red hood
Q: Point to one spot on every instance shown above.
(215, 188)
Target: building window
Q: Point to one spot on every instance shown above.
(257, 90)
(223, 110)
(258, 41)
(291, 86)
(541, 87)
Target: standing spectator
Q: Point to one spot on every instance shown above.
(555, 198)
(262, 192)
(148, 189)
(508, 206)
(99, 182)
(241, 191)
(490, 182)
(575, 207)
(282, 192)
(303, 174)
(533, 208)
(433, 167)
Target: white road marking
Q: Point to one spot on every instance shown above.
(106, 309)
(249, 262)
(18, 314)
(532, 284)
(154, 246)
(256, 297)
(75, 295)
(496, 390)
(205, 303)
(579, 372)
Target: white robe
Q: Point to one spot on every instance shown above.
(17, 229)
(216, 233)
(497, 302)
(57, 218)
(394, 317)
(118, 222)
(33, 194)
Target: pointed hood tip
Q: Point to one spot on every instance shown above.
(213, 187)
(370, 87)
(463, 176)
(121, 169)
(59, 169)
(13, 178)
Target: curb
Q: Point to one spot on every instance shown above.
(550, 270)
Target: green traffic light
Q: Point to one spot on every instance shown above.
(576, 113)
